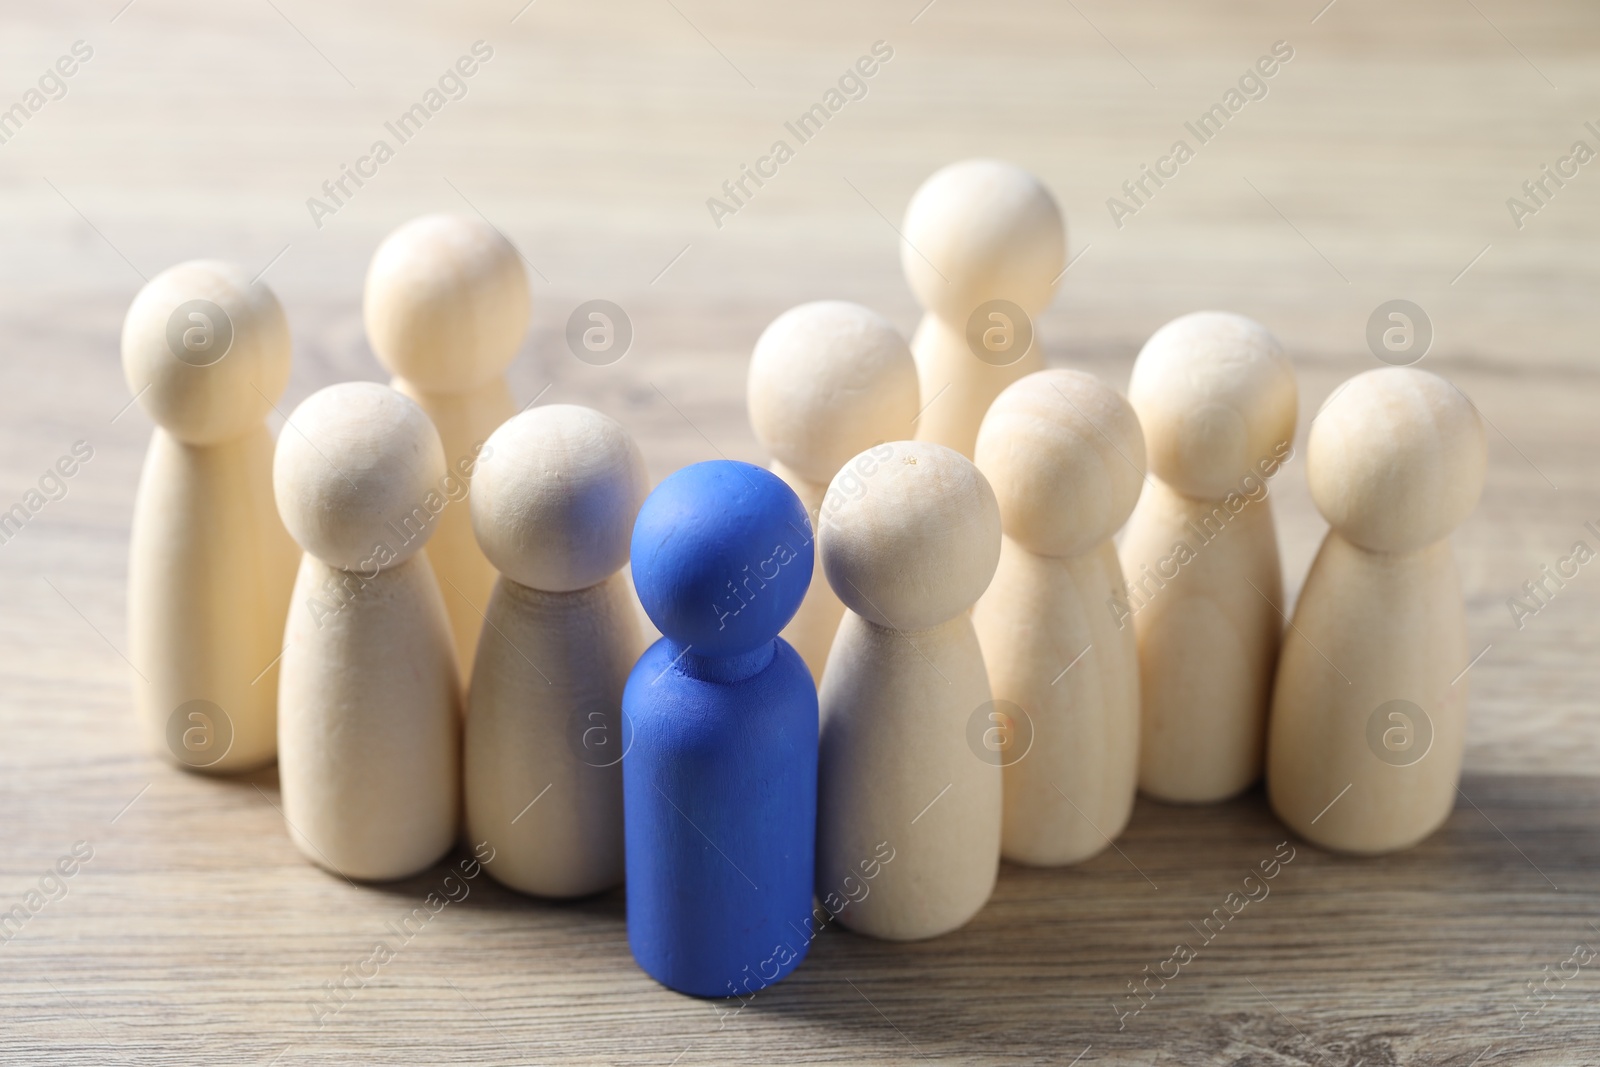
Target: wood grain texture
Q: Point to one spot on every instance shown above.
(1381, 160)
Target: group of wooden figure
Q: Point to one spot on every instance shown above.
(908, 649)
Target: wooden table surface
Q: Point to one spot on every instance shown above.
(1378, 166)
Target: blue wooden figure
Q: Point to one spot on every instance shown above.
(720, 780)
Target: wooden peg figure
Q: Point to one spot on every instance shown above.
(1065, 456)
(720, 782)
(984, 245)
(553, 502)
(1369, 711)
(910, 537)
(827, 380)
(446, 306)
(369, 704)
(206, 352)
(1217, 401)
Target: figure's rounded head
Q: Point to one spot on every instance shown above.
(1396, 459)
(1065, 456)
(554, 497)
(722, 556)
(827, 380)
(1216, 397)
(909, 534)
(358, 475)
(206, 351)
(982, 230)
(446, 303)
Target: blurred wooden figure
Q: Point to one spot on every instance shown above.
(553, 503)
(1217, 400)
(827, 381)
(1065, 456)
(910, 537)
(206, 352)
(1369, 711)
(446, 305)
(369, 713)
(984, 245)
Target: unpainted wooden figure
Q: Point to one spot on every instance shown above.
(984, 246)
(1370, 706)
(908, 550)
(369, 704)
(1065, 456)
(446, 306)
(1217, 400)
(827, 380)
(206, 351)
(553, 504)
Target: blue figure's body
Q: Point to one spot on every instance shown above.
(720, 781)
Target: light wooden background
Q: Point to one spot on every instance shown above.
(1377, 167)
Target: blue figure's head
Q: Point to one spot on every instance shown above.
(722, 556)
